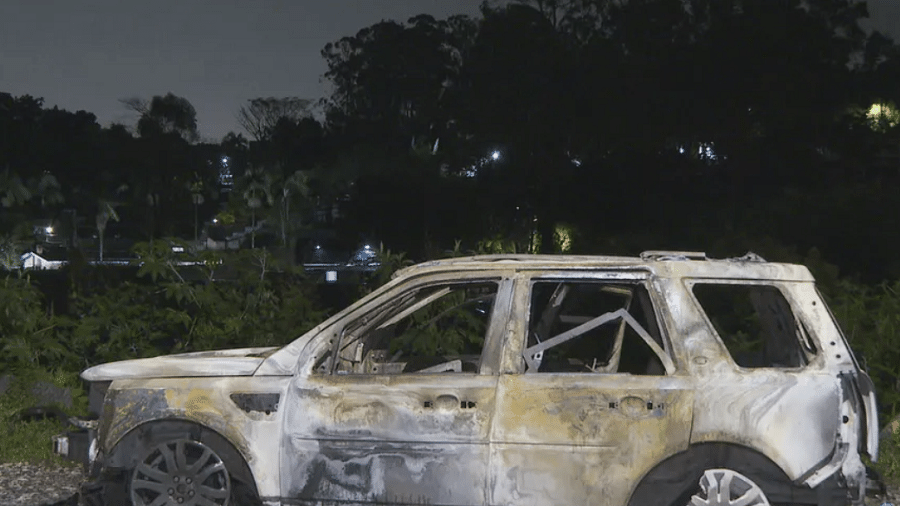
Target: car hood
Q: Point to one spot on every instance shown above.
(240, 362)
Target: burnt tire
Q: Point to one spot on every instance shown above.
(676, 480)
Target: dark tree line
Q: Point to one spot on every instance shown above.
(624, 124)
(689, 124)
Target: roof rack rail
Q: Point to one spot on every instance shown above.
(748, 257)
(673, 255)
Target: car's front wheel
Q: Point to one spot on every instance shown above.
(180, 472)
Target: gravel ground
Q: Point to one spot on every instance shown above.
(893, 497)
(38, 485)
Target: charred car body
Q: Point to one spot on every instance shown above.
(665, 380)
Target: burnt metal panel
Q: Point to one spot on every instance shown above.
(583, 438)
(412, 438)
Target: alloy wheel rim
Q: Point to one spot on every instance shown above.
(180, 472)
(725, 487)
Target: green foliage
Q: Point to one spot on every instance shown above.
(870, 317)
(28, 332)
(177, 302)
(225, 217)
(197, 301)
(390, 264)
(499, 244)
(888, 464)
(450, 325)
(10, 252)
(13, 191)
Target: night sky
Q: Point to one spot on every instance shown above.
(88, 54)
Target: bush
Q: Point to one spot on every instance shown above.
(29, 333)
(870, 318)
(167, 303)
(181, 303)
(888, 464)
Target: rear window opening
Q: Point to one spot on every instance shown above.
(756, 325)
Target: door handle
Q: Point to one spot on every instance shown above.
(637, 407)
(447, 402)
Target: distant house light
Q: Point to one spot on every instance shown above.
(331, 276)
(49, 230)
(178, 249)
(495, 155)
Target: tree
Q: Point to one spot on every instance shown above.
(296, 185)
(257, 184)
(260, 116)
(169, 114)
(19, 126)
(13, 192)
(196, 189)
(47, 188)
(13, 233)
(293, 145)
(105, 211)
(160, 165)
(519, 94)
(390, 79)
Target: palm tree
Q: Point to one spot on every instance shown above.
(47, 187)
(10, 253)
(257, 190)
(105, 211)
(196, 189)
(296, 184)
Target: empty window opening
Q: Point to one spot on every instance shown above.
(594, 327)
(756, 324)
(438, 329)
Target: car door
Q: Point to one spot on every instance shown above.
(399, 410)
(591, 399)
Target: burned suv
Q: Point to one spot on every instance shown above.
(665, 380)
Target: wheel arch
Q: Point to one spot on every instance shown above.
(677, 475)
(137, 441)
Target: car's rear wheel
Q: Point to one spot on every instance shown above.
(727, 487)
(180, 472)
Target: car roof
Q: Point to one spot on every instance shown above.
(667, 264)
